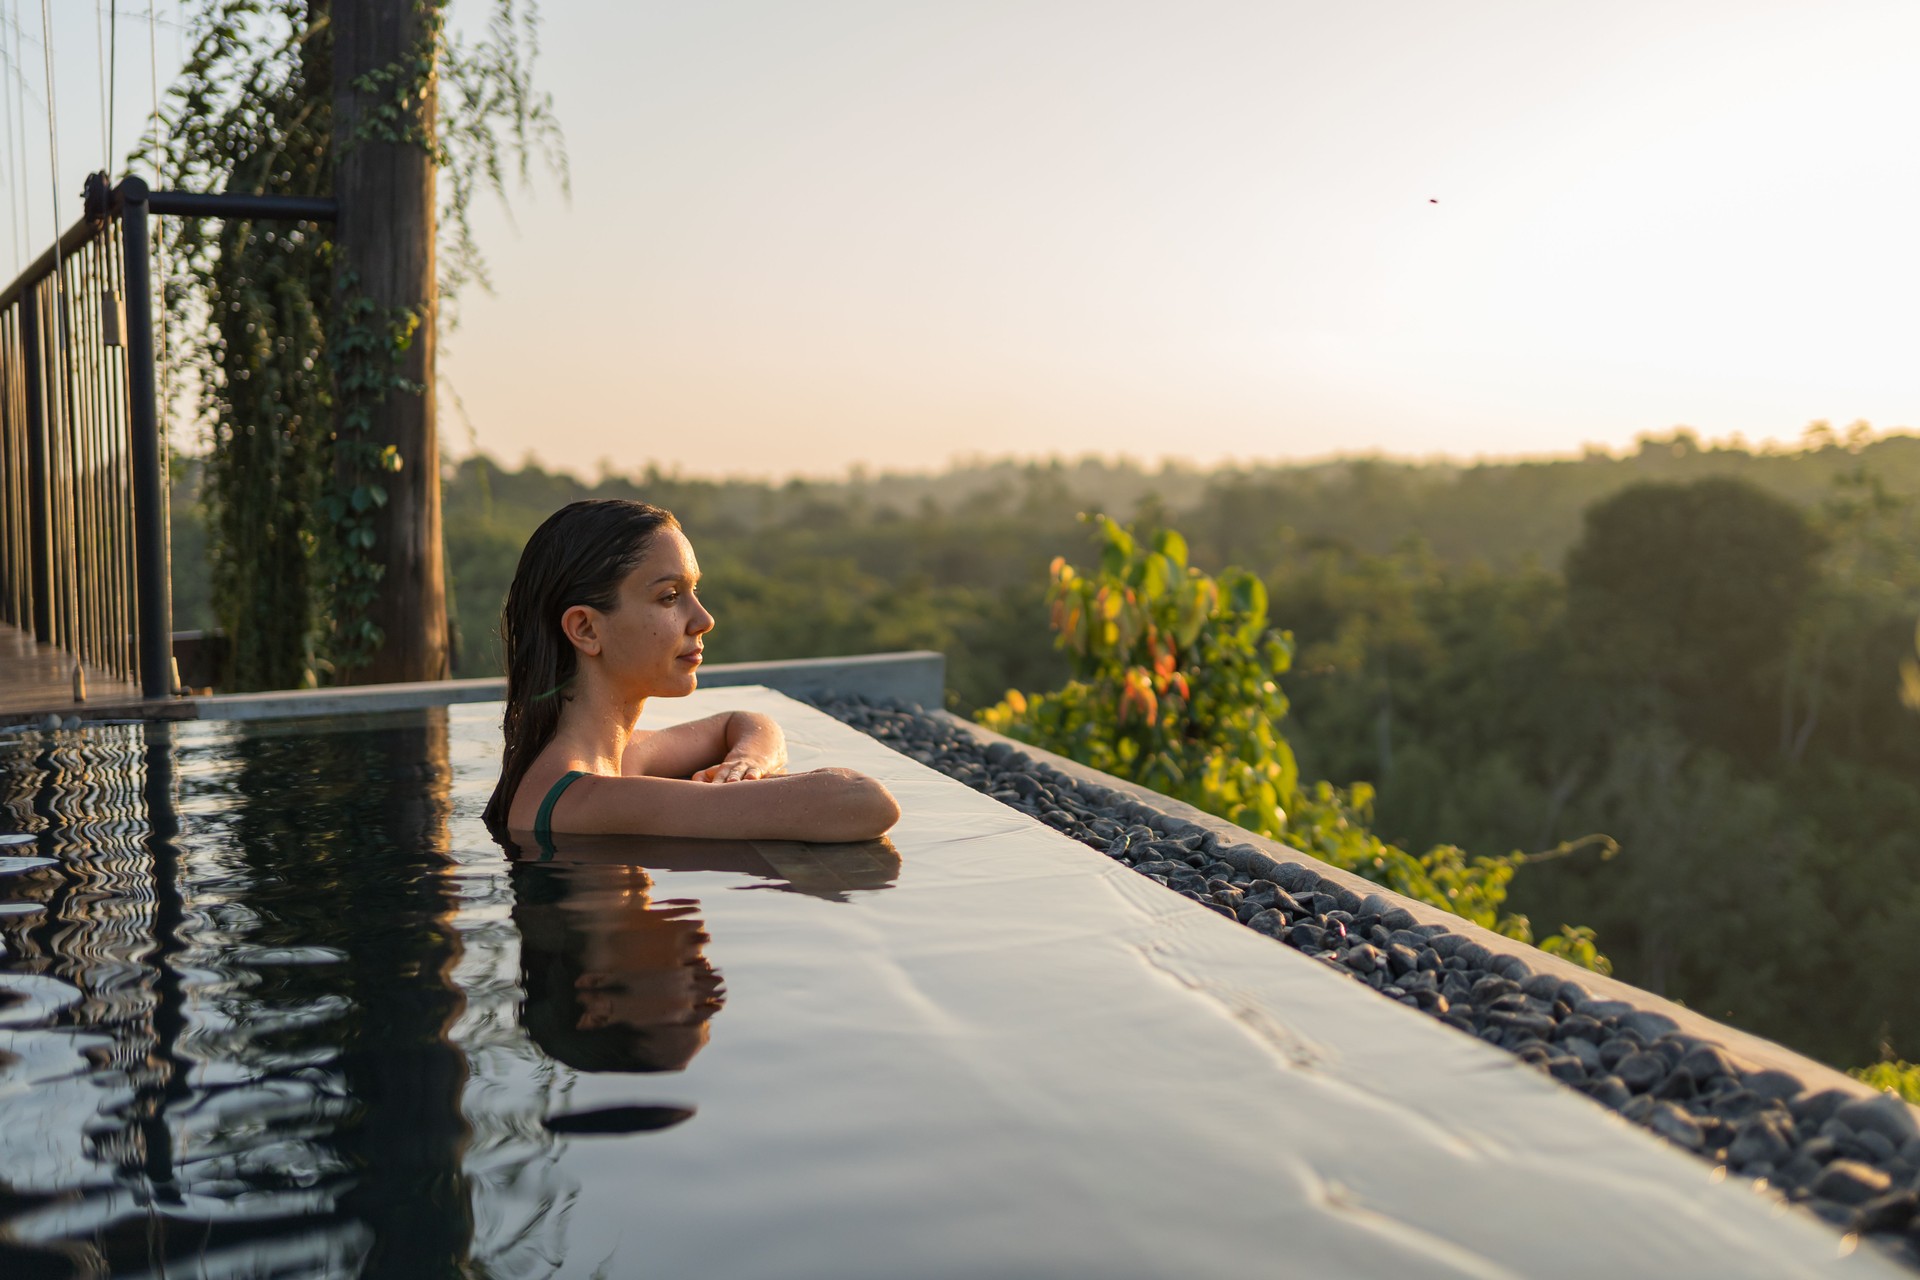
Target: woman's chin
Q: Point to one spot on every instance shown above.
(677, 681)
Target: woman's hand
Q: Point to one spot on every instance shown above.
(739, 769)
(755, 749)
(734, 746)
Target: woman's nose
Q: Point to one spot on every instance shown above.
(702, 622)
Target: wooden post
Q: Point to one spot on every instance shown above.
(384, 252)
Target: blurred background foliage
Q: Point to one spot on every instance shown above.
(1695, 650)
(1176, 687)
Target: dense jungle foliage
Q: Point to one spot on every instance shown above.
(1176, 687)
(1695, 650)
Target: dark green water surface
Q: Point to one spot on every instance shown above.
(272, 1003)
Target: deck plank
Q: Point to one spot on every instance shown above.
(38, 678)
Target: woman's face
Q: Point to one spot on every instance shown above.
(652, 639)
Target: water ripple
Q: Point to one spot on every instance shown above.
(186, 1070)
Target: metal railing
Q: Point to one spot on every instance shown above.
(84, 564)
(83, 514)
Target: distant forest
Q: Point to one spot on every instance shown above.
(1695, 649)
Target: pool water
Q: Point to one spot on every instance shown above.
(263, 1006)
(274, 1003)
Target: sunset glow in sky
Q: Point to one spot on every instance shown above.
(808, 235)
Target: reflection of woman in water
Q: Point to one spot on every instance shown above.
(602, 615)
(617, 981)
(614, 980)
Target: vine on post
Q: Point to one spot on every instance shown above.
(289, 476)
(1177, 689)
(251, 111)
(365, 349)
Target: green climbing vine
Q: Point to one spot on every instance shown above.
(289, 360)
(365, 350)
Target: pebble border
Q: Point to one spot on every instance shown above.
(1854, 1161)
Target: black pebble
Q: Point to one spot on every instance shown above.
(1307, 935)
(1641, 1071)
(1609, 1091)
(1364, 958)
(1850, 1182)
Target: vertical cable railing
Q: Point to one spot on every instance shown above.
(16, 561)
(68, 567)
(83, 528)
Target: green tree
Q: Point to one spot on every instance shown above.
(1693, 592)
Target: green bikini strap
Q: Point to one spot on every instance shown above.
(543, 820)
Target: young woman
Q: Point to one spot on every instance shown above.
(602, 615)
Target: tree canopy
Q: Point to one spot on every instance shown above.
(1696, 591)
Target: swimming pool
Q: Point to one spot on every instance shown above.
(274, 1003)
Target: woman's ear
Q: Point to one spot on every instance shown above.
(578, 625)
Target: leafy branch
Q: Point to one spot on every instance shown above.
(1177, 689)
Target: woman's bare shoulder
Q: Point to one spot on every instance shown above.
(540, 778)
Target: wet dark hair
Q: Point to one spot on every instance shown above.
(578, 556)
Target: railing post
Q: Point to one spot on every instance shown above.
(39, 495)
(154, 594)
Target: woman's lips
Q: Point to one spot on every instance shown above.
(691, 659)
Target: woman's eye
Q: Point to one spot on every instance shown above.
(670, 598)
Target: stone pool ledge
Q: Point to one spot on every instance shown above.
(1793, 1126)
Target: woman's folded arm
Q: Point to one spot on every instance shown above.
(700, 746)
(821, 806)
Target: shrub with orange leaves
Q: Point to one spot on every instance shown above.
(1176, 687)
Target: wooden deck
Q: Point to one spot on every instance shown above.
(36, 679)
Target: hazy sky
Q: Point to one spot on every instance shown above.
(809, 234)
